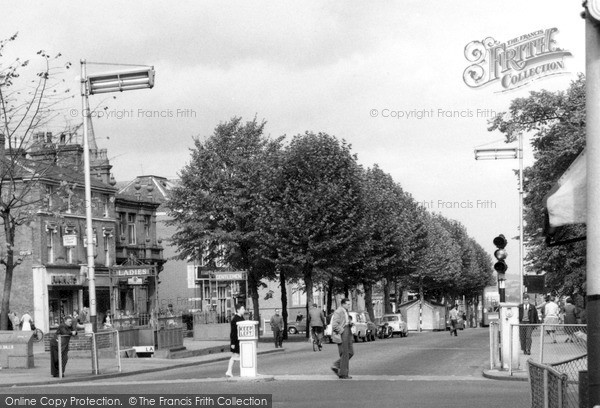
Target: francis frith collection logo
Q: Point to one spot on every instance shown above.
(516, 62)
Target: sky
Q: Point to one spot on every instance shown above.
(387, 77)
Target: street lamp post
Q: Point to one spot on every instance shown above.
(511, 153)
(117, 81)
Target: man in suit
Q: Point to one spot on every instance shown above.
(316, 320)
(341, 334)
(528, 315)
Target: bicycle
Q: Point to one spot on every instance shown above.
(38, 335)
(315, 339)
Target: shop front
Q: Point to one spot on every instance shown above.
(132, 300)
(135, 313)
(221, 290)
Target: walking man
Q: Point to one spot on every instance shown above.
(341, 334)
(277, 328)
(528, 316)
(316, 319)
(454, 321)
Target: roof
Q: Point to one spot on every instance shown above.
(416, 301)
(156, 187)
(34, 169)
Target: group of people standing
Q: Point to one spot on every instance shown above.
(552, 314)
(24, 323)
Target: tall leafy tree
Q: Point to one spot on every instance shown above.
(217, 203)
(313, 207)
(555, 125)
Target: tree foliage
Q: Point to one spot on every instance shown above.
(217, 202)
(555, 123)
(313, 207)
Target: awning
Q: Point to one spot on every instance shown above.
(566, 202)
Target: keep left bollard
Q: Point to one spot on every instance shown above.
(248, 337)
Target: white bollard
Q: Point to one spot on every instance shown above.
(509, 314)
(248, 337)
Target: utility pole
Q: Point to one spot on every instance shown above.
(592, 89)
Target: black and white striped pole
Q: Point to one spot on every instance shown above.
(592, 68)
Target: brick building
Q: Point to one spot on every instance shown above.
(51, 281)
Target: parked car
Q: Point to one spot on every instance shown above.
(360, 327)
(297, 326)
(397, 323)
(363, 328)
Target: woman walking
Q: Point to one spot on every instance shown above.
(233, 336)
(551, 311)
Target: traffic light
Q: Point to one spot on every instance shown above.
(500, 254)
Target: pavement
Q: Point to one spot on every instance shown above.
(79, 368)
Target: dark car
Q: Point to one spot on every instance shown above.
(297, 326)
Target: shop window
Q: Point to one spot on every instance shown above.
(131, 238)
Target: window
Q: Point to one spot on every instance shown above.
(122, 224)
(48, 196)
(106, 200)
(107, 233)
(131, 229)
(50, 232)
(147, 221)
(106, 250)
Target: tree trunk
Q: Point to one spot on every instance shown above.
(253, 283)
(308, 283)
(369, 300)
(284, 312)
(9, 268)
(330, 295)
(354, 294)
(386, 298)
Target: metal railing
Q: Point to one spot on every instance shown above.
(551, 343)
(548, 386)
(559, 349)
(114, 334)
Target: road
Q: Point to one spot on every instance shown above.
(423, 370)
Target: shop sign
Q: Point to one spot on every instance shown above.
(69, 241)
(132, 271)
(229, 276)
(64, 280)
(135, 280)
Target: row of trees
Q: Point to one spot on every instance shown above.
(307, 212)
